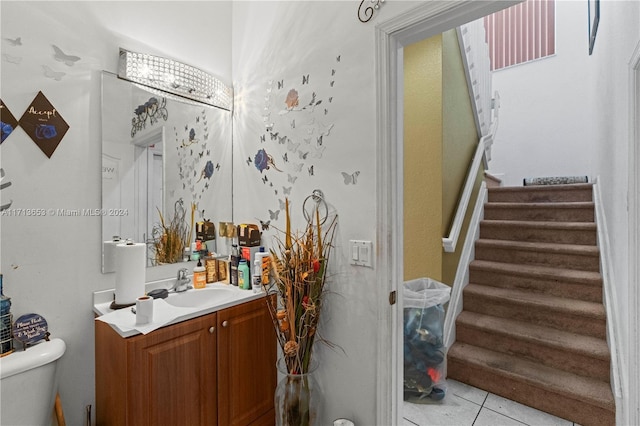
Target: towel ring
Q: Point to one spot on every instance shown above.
(318, 197)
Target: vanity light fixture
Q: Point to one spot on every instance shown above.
(175, 78)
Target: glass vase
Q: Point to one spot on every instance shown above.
(297, 398)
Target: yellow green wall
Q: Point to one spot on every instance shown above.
(423, 159)
(459, 142)
(440, 139)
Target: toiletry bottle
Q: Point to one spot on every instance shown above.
(256, 280)
(6, 339)
(244, 276)
(233, 265)
(199, 275)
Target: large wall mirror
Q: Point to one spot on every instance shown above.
(162, 157)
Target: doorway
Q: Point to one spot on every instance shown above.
(426, 20)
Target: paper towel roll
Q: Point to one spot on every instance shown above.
(109, 255)
(130, 272)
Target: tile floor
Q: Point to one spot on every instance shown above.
(465, 405)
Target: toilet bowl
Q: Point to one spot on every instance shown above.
(28, 383)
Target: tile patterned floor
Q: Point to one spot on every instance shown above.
(465, 405)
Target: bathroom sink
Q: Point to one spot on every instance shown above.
(195, 298)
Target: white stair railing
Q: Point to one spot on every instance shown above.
(475, 57)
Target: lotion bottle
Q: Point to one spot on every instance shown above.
(244, 276)
(199, 275)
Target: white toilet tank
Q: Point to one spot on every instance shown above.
(28, 383)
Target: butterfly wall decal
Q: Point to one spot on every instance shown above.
(264, 225)
(14, 42)
(274, 215)
(291, 179)
(350, 178)
(60, 56)
(286, 191)
(49, 73)
(11, 59)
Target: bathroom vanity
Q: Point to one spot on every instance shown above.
(217, 368)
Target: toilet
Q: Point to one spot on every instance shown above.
(28, 383)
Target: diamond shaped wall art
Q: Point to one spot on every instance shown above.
(8, 122)
(44, 124)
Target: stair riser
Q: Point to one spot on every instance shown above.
(555, 357)
(524, 392)
(540, 235)
(561, 260)
(550, 214)
(588, 293)
(518, 311)
(524, 195)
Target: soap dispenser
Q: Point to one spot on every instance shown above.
(199, 275)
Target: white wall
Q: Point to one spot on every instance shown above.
(282, 42)
(51, 265)
(546, 126)
(618, 35)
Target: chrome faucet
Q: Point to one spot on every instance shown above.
(182, 281)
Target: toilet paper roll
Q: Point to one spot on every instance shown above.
(144, 310)
(130, 272)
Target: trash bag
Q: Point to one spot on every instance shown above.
(425, 356)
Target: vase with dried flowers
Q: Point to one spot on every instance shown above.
(171, 237)
(300, 264)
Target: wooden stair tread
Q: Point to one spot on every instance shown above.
(543, 188)
(584, 389)
(583, 226)
(562, 304)
(539, 271)
(551, 337)
(541, 205)
(586, 250)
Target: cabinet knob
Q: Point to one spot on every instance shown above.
(211, 329)
(225, 323)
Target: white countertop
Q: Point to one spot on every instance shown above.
(123, 320)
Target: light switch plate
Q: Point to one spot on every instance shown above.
(361, 253)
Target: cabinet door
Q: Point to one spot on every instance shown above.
(246, 363)
(173, 375)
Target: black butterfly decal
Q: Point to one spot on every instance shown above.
(293, 123)
(326, 111)
(350, 178)
(206, 185)
(201, 154)
(274, 136)
(330, 99)
(249, 161)
(338, 58)
(311, 171)
(263, 138)
(208, 152)
(319, 140)
(333, 72)
(60, 56)
(305, 79)
(198, 120)
(285, 157)
(264, 179)
(280, 84)
(264, 225)
(282, 140)
(332, 83)
(218, 166)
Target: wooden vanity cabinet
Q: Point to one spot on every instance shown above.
(246, 365)
(214, 369)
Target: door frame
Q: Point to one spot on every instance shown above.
(424, 21)
(632, 411)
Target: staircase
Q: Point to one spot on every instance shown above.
(533, 326)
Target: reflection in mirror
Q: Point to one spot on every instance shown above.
(162, 158)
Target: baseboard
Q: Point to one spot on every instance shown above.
(609, 300)
(462, 273)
